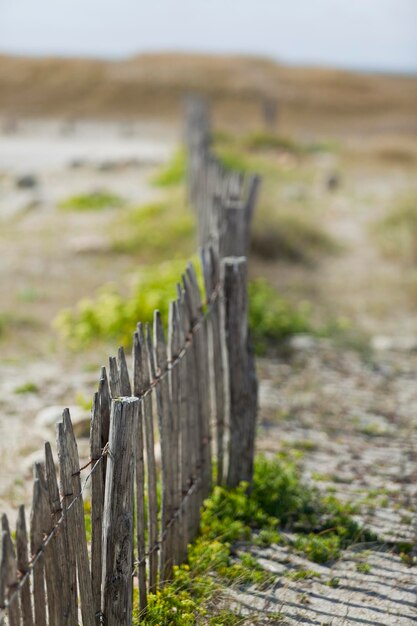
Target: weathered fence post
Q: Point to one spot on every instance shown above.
(97, 502)
(117, 562)
(22, 566)
(8, 575)
(242, 385)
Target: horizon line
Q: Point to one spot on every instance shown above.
(115, 57)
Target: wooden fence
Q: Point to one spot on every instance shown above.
(198, 386)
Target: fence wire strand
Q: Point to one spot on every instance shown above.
(32, 563)
(195, 327)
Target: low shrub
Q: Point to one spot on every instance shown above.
(290, 236)
(112, 316)
(238, 516)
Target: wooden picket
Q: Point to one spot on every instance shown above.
(191, 392)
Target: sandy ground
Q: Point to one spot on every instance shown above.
(50, 259)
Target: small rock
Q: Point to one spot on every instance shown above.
(27, 181)
(89, 244)
(333, 182)
(77, 163)
(107, 166)
(303, 342)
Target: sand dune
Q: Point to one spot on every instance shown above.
(154, 85)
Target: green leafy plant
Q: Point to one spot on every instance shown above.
(230, 517)
(110, 315)
(94, 201)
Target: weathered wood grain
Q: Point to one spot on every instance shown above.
(187, 449)
(242, 413)
(8, 576)
(71, 492)
(105, 404)
(114, 378)
(49, 553)
(158, 360)
(125, 387)
(65, 579)
(23, 567)
(189, 313)
(203, 381)
(174, 351)
(139, 475)
(145, 381)
(97, 504)
(36, 539)
(117, 565)
(211, 273)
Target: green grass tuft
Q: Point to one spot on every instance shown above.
(396, 233)
(272, 319)
(159, 231)
(28, 387)
(263, 140)
(278, 499)
(94, 201)
(291, 236)
(173, 173)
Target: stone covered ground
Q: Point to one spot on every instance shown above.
(353, 421)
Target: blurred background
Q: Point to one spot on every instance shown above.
(319, 97)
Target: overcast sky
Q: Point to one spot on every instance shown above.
(363, 34)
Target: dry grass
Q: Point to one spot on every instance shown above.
(396, 232)
(154, 85)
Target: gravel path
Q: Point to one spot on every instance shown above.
(354, 421)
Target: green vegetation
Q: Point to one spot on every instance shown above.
(94, 201)
(28, 387)
(302, 574)
(83, 401)
(286, 224)
(289, 235)
(158, 231)
(29, 294)
(406, 550)
(112, 316)
(278, 499)
(267, 141)
(272, 318)
(396, 233)
(363, 568)
(174, 172)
